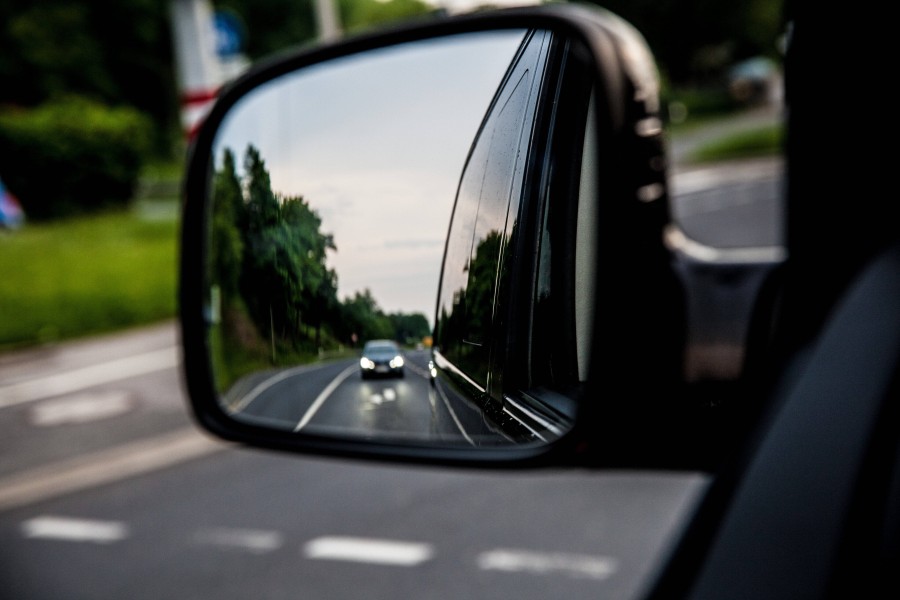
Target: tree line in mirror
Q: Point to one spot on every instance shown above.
(272, 294)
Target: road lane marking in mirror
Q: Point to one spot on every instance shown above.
(678, 241)
(253, 540)
(105, 466)
(74, 530)
(323, 396)
(697, 180)
(453, 416)
(371, 551)
(81, 408)
(540, 563)
(263, 386)
(76, 380)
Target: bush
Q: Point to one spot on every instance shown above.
(72, 156)
(697, 103)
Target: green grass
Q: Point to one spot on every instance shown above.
(87, 275)
(761, 141)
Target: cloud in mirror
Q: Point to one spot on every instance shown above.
(332, 194)
(376, 143)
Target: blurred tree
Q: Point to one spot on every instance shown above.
(226, 240)
(409, 327)
(67, 47)
(694, 40)
(362, 14)
(363, 318)
(274, 25)
(285, 281)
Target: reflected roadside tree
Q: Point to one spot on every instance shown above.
(268, 263)
(464, 328)
(285, 280)
(268, 259)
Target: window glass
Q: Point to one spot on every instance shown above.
(479, 232)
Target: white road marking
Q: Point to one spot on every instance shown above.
(263, 386)
(104, 467)
(81, 408)
(371, 551)
(450, 410)
(323, 396)
(519, 561)
(676, 239)
(74, 530)
(79, 379)
(254, 540)
(693, 181)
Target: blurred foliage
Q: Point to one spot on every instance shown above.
(119, 52)
(758, 141)
(84, 276)
(116, 52)
(72, 155)
(273, 25)
(698, 102)
(695, 41)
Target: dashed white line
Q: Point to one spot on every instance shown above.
(74, 530)
(253, 540)
(453, 416)
(81, 408)
(79, 379)
(323, 396)
(524, 561)
(370, 551)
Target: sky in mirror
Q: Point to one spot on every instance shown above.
(375, 143)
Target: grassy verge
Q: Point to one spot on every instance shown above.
(758, 141)
(88, 275)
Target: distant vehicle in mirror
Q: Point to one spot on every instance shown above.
(381, 358)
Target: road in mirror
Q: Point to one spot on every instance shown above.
(333, 188)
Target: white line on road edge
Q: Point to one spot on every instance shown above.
(253, 540)
(449, 408)
(372, 551)
(85, 377)
(577, 565)
(105, 466)
(263, 386)
(74, 530)
(323, 396)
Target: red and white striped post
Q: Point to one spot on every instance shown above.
(197, 65)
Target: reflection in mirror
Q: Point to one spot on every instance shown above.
(333, 188)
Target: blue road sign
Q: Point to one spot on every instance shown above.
(230, 33)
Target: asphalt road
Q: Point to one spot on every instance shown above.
(109, 491)
(333, 396)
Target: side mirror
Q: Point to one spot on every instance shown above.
(481, 197)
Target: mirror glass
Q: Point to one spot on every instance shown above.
(332, 193)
